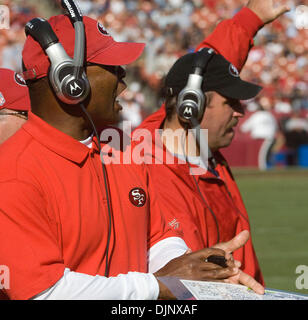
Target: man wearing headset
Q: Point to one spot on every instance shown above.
(14, 103)
(70, 227)
(201, 198)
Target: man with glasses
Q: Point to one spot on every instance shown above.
(14, 103)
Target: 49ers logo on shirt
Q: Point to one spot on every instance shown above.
(137, 197)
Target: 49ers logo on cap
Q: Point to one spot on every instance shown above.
(2, 100)
(102, 29)
(137, 197)
(233, 71)
(19, 79)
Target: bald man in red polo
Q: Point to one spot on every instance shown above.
(14, 103)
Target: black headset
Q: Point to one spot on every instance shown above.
(66, 75)
(191, 100)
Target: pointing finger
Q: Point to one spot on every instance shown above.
(237, 242)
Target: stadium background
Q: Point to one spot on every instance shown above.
(276, 196)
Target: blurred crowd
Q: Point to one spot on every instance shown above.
(171, 28)
(12, 39)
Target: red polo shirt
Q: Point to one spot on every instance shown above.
(53, 211)
(216, 212)
(208, 209)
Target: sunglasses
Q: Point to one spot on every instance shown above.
(19, 114)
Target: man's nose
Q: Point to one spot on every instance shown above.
(238, 111)
(121, 87)
(237, 114)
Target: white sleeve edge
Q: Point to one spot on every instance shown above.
(164, 251)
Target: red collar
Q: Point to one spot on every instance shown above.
(55, 140)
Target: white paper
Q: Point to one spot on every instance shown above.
(205, 290)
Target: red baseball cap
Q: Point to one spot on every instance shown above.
(101, 48)
(13, 91)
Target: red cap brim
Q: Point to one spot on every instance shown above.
(113, 55)
(100, 47)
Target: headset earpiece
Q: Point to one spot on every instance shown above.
(191, 100)
(190, 103)
(68, 88)
(66, 75)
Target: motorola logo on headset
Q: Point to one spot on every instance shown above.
(188, 112)
(75, 88)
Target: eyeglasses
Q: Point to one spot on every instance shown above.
(19, 114)
(118, 71)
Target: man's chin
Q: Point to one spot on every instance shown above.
(226, 143)
(107, 123)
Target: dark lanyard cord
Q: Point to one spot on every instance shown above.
(106, 189)
(198, 188)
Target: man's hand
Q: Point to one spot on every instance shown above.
(192, 266)
(235, 243)
(242, 277)
(267, 10)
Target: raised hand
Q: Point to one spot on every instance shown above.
(267, 10)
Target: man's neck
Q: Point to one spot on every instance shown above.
(74, 126)
(176, 138)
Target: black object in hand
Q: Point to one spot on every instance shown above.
(219, 260)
